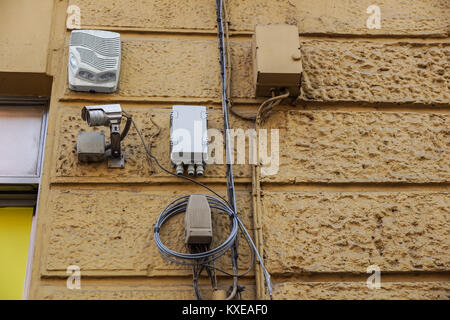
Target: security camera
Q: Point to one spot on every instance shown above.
(103, 115)
(91, 146)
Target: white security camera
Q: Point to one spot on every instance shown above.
(103, 115)
(91, 146)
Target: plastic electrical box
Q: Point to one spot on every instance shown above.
(94, 61)
(197, 220)
(189, 139)
(276, 59)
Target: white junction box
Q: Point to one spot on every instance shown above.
(189, 139)
(94, 61)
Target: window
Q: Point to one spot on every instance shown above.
(22, 129)
(22, 134)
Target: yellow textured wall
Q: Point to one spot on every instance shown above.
(364, 153)
(25, 34)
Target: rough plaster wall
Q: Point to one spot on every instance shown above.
(137, 291)
(364, 166)
(358, 291)
(361, 146)
(356, 70)
(154, 123)
(419, 17)
(344, 16)
(348, 231)
(117, 239)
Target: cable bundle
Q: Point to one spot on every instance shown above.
(179, 205)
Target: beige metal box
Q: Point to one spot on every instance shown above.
(276, 59)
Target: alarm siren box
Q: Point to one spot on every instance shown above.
(94, 61)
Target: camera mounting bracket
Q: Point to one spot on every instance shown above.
(116, 158)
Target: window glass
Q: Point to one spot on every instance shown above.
(20, 140)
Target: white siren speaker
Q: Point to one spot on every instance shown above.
(94, 61)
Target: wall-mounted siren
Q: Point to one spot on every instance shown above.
(94, 61)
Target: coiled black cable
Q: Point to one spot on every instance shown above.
(179, 205)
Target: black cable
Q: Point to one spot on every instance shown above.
(124, 132)
(198, 268)
(164, 169)
(228, 154)
(178, 206)
(126, 129)
(219, 204)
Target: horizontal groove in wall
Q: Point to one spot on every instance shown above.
(415, 276)
(426, 38)
(155, 186)
(85, 98)
(251, 110)
(373, 106)
(181, 280)
(142, 281)
(355, 187)
(127, 275)
(245, 185)
(173, 32)
(138, 104)
(155, 31)
(250, 105)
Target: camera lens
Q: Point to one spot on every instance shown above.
(96, 118)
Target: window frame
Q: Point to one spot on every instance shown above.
(29, 102)
(35, 181)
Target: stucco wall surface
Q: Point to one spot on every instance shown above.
(363, 165)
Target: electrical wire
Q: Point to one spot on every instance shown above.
(267, 106)
(218, 203)
(179, 205)
(226, 126)
(152, 157)
(204, 258)
(158, 131)
(263, 111)
(123, 134)
(262, 114)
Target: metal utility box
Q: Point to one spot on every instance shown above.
(91, 147)
(189, 139)
(276, 59)
(198, 224)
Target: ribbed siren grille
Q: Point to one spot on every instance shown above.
(107, 47)
(89, 57)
